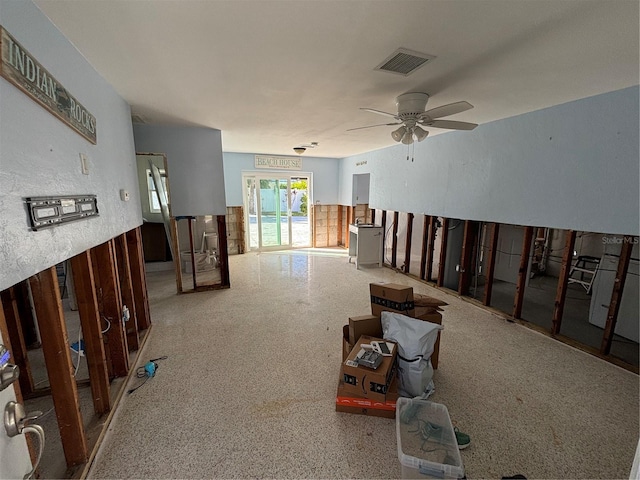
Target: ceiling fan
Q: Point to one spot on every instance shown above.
(412, 116)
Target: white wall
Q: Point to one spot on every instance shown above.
(194, 158)
(572, 166)
(39, 154)
(324, 170)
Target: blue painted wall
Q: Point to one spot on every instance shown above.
(324, 170)
(574, 165)
(40, 155)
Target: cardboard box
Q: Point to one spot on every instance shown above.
(365, 382)
(391, 297)
(429, 315)
(421, 300)
(364, 325)
(347, 346)
(347, 403)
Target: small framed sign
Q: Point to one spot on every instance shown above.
(278, 163)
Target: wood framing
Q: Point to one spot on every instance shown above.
(340, 232)
(57, 355)
(194, 267)
(443, 251)
(373, 216)
(87, 299)
(224, 251)
(394, 239)
(407, 254)
(616, 295)
(138, 278)
(466, 257)
(428, 274)
(522, 272)
(563, 281)
(15, 335)
(105, 275)
(383, 222)
(425, 246)
(173, 224)
(126, 290)
(491, 263)
(349, 220)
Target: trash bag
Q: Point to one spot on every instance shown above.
(415, 339)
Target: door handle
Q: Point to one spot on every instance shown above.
(15, 423)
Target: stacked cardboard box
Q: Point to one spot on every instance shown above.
(365, 390)
(374, 392)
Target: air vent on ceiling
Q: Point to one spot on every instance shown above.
(137, 118)
(404, 62)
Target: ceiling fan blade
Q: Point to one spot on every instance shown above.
(380, 112)
(451, 124)
(369, 126)
(446, 110)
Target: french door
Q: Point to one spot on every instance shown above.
(276, 211)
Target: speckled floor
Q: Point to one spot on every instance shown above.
(249, 386)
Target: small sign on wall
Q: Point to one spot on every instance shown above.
(20, 68)
(278, 163)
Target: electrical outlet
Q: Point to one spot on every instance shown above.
(124, 195)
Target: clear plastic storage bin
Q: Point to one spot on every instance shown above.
(427, 446)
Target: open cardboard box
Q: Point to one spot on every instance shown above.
(364, 382)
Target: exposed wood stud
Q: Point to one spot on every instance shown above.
(563, 281)
(173, 224)
(407, 255)
(491, 263)
(430, 247)
(466, 257)
(224, 251)
(15, 334)
(384, 234)
(373, 216)
(106, 277)
(349, 221)
(616, 295)
(394, 240)
(85, 288)
(425, 246)
(138, 278)
(126, 288)
(522, 272)
(192, 252)
(55, 347)
(443, 251)
(340, 233)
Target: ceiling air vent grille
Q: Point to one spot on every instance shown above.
(137, 118)
(404, 62)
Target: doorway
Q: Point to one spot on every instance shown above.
(277, 214)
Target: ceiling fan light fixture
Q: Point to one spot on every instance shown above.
(299, 150)
(399, 133)
(420, 133)
(407, 139)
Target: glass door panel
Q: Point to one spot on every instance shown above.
(274, 218)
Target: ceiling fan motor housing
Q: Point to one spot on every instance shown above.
(411, 104)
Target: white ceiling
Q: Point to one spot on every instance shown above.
(274, 74)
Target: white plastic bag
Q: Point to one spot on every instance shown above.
(415, 339)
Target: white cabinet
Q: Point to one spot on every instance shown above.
(365, 244)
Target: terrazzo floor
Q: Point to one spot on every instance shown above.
(248, 388)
